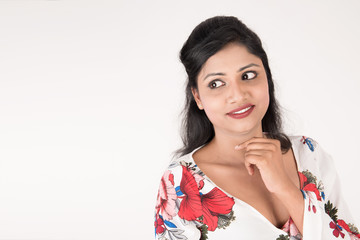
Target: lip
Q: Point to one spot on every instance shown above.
(241, 115)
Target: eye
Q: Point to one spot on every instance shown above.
(249, 75)
(215, 84)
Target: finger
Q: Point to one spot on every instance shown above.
(244, 144)
(254, 140)
(249, 168)
(267, 146)
(256, 158)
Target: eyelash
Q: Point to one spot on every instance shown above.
(242, 78)
(214, 81)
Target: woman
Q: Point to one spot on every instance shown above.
(238, 176)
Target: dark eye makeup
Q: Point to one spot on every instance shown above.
(249, 75)
(215, 84)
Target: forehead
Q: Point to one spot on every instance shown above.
(230, 58)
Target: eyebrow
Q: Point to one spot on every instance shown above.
(223, 74)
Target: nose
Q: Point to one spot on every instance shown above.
(237, 92)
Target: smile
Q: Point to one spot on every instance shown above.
(241, 112)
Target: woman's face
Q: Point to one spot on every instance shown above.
(233, 90)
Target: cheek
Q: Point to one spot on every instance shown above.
(212, 107)
(264, 97)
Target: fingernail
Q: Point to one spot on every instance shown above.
(240, 146)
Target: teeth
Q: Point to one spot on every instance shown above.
(242, 111)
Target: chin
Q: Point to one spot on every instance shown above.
(246, 130)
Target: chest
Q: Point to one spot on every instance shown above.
(235, 180)
(250, 190)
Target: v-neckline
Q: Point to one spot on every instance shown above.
(245, 204)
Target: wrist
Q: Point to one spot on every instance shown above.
(293, 200)
(289, 194)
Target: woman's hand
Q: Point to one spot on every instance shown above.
(266, 155)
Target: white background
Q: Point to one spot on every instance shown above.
(91, 91)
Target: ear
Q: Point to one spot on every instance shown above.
(196, 95)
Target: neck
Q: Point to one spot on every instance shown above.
(224, 144)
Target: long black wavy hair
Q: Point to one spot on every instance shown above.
(206, 39)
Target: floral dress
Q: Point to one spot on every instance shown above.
(190, 206)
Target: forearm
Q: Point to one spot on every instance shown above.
(293, 200)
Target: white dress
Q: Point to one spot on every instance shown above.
(190, 206)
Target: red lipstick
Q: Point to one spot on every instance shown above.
(242, 111)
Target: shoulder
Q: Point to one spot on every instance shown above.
(314, 162)
(304, 143)
(182, 171)
(178, 205)
(308, 147)
(311, 156)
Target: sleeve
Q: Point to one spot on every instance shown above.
(326, 215)
(177, 191)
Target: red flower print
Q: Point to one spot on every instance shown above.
(337, 229)
(166, 196)
(354, 236)
(171, 179)
(345, 226)
(190, 206)
(194, 205)
(311, 187)
(307, 186)
(291, 229)
(159, 225)
(311, 205)
(198, 179)
(214, 203)
(303, 179)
